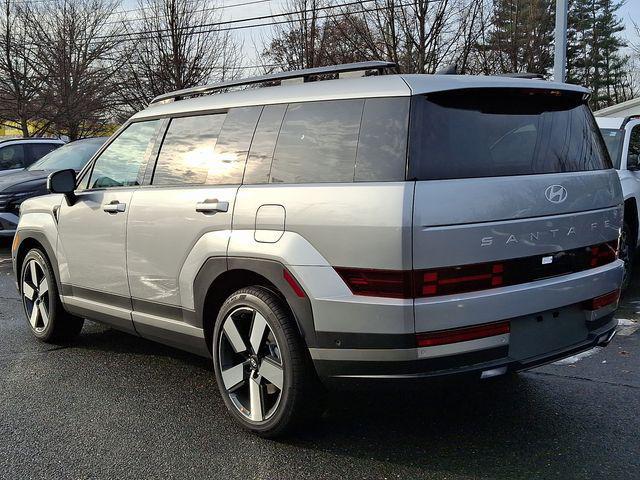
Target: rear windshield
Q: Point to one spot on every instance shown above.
(613, 138)
(499, 132)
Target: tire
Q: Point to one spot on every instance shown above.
(627, 253)
(45, 315)
(262, 369)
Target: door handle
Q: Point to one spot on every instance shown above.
(115, 207)
(212, 206)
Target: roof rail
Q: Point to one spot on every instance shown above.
(305, 75)
(525, 75)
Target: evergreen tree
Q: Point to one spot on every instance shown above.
(521, 39)
(594, 56)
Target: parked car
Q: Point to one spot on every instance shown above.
(18, 185)
(622, 137)
(388, 227)
(19, 153)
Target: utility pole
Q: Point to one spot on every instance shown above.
(560, 57)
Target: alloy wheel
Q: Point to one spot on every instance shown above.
(251, 364)
(35, 293)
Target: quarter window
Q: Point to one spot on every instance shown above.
(318, 142)
(382, 146)
(122, 163)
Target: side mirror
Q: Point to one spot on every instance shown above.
(633, 162)
(63, 181)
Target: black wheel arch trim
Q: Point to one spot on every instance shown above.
(272, 271)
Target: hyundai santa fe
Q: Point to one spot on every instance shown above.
(337, 228)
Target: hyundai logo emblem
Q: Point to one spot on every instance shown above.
(556, 193)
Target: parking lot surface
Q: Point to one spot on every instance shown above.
(115, 406)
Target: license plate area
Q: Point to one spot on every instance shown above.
(546, 332)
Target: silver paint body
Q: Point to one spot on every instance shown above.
(153, 251)
(630, 180)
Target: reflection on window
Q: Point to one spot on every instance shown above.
(502, 132)
(187, 150)
(11, 156)
(263, 145)
(317, 142)
(122, 163)
(382, 146)
(233, 145)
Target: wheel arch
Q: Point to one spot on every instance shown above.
(219, 277)
(33, 239)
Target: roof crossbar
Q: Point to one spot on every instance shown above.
(305, 75)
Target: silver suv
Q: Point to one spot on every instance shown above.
(380, 227)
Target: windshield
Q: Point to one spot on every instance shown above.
(73, 155)
(502, 132)
(613, 139)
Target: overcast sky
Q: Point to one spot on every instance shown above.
(257, 36)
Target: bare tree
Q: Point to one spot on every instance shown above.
(419, 35)
(72, 48)
(310, 35)
(21, 104)
(175, 44)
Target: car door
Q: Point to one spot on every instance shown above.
(184, 217)
(92, 228)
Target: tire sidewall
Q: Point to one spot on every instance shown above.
(246, 299)
(38, 256)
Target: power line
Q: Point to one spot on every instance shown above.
(242, 20)
(202, 10)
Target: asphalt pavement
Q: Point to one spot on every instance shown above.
(115, 406)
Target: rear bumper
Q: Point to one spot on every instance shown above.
(484, 362)
(8, 224)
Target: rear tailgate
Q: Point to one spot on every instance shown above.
(511, 188)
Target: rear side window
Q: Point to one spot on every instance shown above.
(264, 144)
(500, 132)
(12, 156)
(318, 142)
(187, 150)
(233, 146)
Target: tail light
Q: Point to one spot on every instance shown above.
(378, 283)
(603, 254)
(405, 284)
(602, 301)
(444, 337)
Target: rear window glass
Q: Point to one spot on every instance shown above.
(318, 142)
(500, 132)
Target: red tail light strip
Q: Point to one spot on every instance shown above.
(475, 277)
(602, 301)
